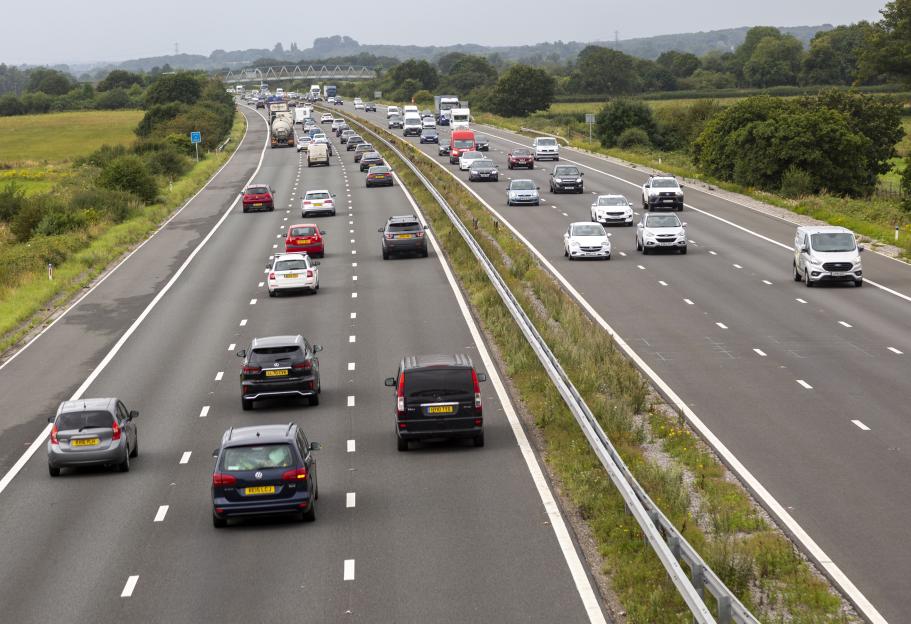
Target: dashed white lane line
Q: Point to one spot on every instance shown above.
(860, 425)
(354, 252)
(352, 241)
(350, 222)
(799, 300)
(354, 295)
(219, 375)
(713, 253)
(185, 458)
(767, 282)
(204, 411)
(689, 302)
(721, 325)
(640, 267)
(662, 282)
(352, 338)
(354, 264)
(737, 266)
(623, 253)
(349, 570)
(564, 214)
(261, 284)
(351, 446)
(760, 352)
(252, 301)
(231, 346)
(161, 513)
(274, 246)
(351, 366)
(130, 586)
(354, 315)
(804, 384)
(843, 324)
(351, 231)
(284, 218)
(278, 235)
(243, 322)
(354, 278)
(350, 400)
(350, 500)
(895, 351)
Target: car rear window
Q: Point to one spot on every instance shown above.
(316, 196)
(303, 231)
(270, 355)
(291, 265)
(69, 421)
(260, 457)
(402, 226)
(439, 381)
(257, 190)
(379, 170)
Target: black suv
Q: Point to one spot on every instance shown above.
(279, 366)
(402, 235)
(481, 143)
(267, 469)
(437, 396)
(566, 178)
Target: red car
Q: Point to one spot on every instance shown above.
(520, 158)
(305, 238)
(259, 197)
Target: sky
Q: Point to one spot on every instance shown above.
(64, 31)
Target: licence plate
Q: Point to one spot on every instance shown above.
(260, 489)
(380, 175)
(277, 373)
(404, 236)
(258, 204)
(838, 274)
(665, 244)
(440, 409)
(318, 204)
(291, 276)
(86, 442)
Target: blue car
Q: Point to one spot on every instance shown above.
(442, 120)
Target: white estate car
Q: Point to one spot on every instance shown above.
(612, 209)
(292, 271)
(326, 118)
(428, 122)
(318, 202)
(660, 231)
(584, 239)
(466, 159)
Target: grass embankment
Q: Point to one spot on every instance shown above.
(36, 150)
(31, 300)
(682, 476)
(873, 217)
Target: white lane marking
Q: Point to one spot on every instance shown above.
(354, 278)
(231, 346)
(352, 338)
(799, 300)
(564, 214)
(351, 446)
(351, 366)
(352, 241)
(353, 252)
(278, 235)
(260, 285)
(804, 384)
(354, 295)
(185, 458)
(350, 500)
(204, 411)
(558, 524)
(219, 375)
(351, 231)
(842, 323)
(351, 223)
(354, 315)
(252, 301)
(737, 266)
(284, 218)
(354, 264)
(713, 253)
(767, 282)
(623, 253)
(130, 586)
(349, 570)
(860, 425)
(640, 267)
(662, 282)
(274, 246)
(760, 352)
(689, 302)
(243, 322)
(721, 325)
(895, 351)
(350, 400)
(161, 513)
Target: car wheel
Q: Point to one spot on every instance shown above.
(565, 253)
(607, 258)
(273, 293)
(402, 444)
(135, 451)
(858, 283)
(219, 523)
(246, 404)
(638, 245)
(310, 514)
(683, 251)
(313, 399)
(479, 440)
(385, 255)
(54, 472)
(124, 466)
(806, 279)
(246, 209)
(796, 274)
(537, 203)
(425, 253)
(531, 166)
(645, 250)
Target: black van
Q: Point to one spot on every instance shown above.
(437, 396)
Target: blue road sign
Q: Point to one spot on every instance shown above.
(195, 137)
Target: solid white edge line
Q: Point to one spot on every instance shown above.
(39, 441)
(161, 513)
(348, 573)
(579, 574)
(129, 586)
(752, 483)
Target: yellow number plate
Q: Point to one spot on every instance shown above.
(276, 373)
(86, 442)
(440, 409)
(404, 236)
(258, 204)
(291, 276)
(260, 489)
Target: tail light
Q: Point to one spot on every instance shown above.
(220, 479)
(272, 275)
(419, 234)
(389, 236)
(400, 396)
(477, 391)
(296, 474)
(309, 273)
(54, 439)
(115, 431)
(252, 370)
(305, 365)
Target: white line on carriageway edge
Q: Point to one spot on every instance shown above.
(577, 570)
(37, 443)
(784, 518)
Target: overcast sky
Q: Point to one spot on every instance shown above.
(68, 31)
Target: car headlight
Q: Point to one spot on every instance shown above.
(648, 235)
(579, 180)
(605, 245)
(813, 261)
(574, 244)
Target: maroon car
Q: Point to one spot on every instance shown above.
(520, 158)
(258, 197)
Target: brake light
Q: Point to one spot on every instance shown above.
(252, 370)
(220, 479)
(115, 431)
(419, 234)
(389, 236)
(309, 273)
(54, 439)
(272, 275)
(296, 474)
(305, 365)
(400, 396)
(477, 391)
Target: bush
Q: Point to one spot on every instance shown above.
(116, 206)
(103, 155)
(632, 138)
(60, 220)
(11, 105)
(114, 99)
(621, 114)
(796, 183)
(12, 199)
(167, 162)
(679, 126)
(423, 97)
(30, 215)
(128, 173)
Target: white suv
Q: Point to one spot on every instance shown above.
(661, 191)
(827, 254)
(660, 231)
(546, 147)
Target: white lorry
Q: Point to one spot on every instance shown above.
(459, 118)
(315, 92)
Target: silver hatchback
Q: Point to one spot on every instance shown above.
(92, 432)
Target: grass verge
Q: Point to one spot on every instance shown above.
(32, 301)
(57, 137)
(714, 513)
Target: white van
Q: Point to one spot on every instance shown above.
(546, 147)
(410, 108)
(826, 254)
(459, 118)
(392, 110)
(412, 125)
(318, 154)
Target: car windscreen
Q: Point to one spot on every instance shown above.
(566, 171)
(440, 382)
(662, 221)
(312, 196)
(77, 421)
(547, 142)
(522, 185)
(482, 164)
(588, 229)
(259, 457)
(307, 230)
(257, 190)
(833, 241)
(521, 152)
(664, 183)
(463, 143)
(612, 201)
(400, 226)
(270, 355)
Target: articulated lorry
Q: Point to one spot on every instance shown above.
(329, 91)
(442, 104)
(281, 123)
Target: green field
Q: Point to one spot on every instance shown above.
(60, 137)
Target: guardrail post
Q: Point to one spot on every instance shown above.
(698, 578)
(724, 609)
(673, 542)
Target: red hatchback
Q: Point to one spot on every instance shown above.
(305, 238)
(520, 158)
(259, 197)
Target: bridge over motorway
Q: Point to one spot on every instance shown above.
(310, 72)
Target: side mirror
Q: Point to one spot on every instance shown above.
(639, 225)
(609, 234)
(581, 173)
(537, 188)
(482, 376)
(805, 249)
(315, 446)
(242, 353)
(860, 248)
(684, 224)
(380, 230)
(390, 381)
(134, 414)
(51, 419)
(316, 264)
(268, 265)
(215, 453)
(322, 232)
(426, 226)
(317, 348)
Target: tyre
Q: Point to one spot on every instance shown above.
(532, 166)
(565, 253)
(402, 444)
(246, 404)
(858, 283)
(135, 451)
(796, 274)
(219, 523)
(54, 472)
(385, 255)
(645, 250)
(124, 466)
(310, 514)
(508, 203)
(638, 245)
(478, 440)
(425, 253)
(683, 251)
(806, 279)
(313, 399)
(273, 293)
(246, 209)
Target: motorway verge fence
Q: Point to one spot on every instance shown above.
(667, 542)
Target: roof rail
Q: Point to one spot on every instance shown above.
(230, 432)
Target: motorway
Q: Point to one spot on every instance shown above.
(445, 532)
(808, 388)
